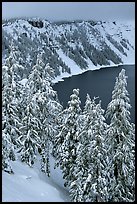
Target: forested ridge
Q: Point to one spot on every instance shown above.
(86, 43)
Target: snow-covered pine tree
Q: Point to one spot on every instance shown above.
(120, 144)
(98, 151)
(7, 152)
(49, 73)
(46, 108)
(12, 92)
(17, 68)
(29, 139)
(9, 131)
(90, 183)
(31, 125)
(66, 155)
(58, 139)
(83, 156)
(10, 119)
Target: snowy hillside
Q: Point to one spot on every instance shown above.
(30, 184)
(94, 159)
(70, 47)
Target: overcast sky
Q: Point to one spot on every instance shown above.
(55, 11)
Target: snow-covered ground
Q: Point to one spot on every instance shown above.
(30, 184)
(119, 30)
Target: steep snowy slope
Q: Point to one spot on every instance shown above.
(30, 184)
(70, 47)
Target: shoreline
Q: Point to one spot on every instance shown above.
(65, 75)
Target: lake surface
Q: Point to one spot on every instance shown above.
(97, 83)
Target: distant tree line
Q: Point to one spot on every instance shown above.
(74, 38)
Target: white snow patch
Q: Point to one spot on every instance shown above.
(23, 81)
(31, 185)
(75, 69)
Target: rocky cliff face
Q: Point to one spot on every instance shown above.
(67, 45)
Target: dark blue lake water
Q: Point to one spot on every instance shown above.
(97, 83)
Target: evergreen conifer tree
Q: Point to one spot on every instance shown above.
(120, 144)
(45, 108)
(10, 120)
(9, 132)
(69, 134)
(29, 139)
(45, 111)
(7, 153)
(90, 173)
(12, 94)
